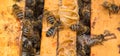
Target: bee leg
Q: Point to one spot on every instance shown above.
(55, 32)
(109, 13)
(47, 23)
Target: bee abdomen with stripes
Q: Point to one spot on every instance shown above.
(51, 19)
(17, 11)
(74, 27)
(50, 31)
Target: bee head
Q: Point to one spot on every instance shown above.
(115, 8)
(15, 6)
(106, 4)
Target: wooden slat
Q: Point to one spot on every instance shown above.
(48, 44)
(67, 38)
(104, 21)
(10, 30)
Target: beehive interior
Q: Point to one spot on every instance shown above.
(95, 34)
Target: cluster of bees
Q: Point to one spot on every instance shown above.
(31, 22)
(84, 40)
(84, 27)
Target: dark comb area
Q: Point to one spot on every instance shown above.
(32, 27)
(84, 13)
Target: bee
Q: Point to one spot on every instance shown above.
(29, 13)
(36, 42)
(50, 19)
(27, 28)
(79, 27)
(52, 30)
(86, 14)
(80, 4)
(27, 32)
(40, 17)
(37, 24)
(74, 27)
(30, 3)
(26, 43)
(17, 11)
(111, 7)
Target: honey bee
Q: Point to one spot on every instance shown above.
(27, 46)
(53, 29)
(111, 7)
(29, 13)
(27, 32)
(37, 25)
(31, 45)
(74, 27)
(27, 27)
(79, 27)
(86, 14)
(36, 42)
(51, 19)
(40, 17)
(17, 11)
(30, 3)
(26, 43)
